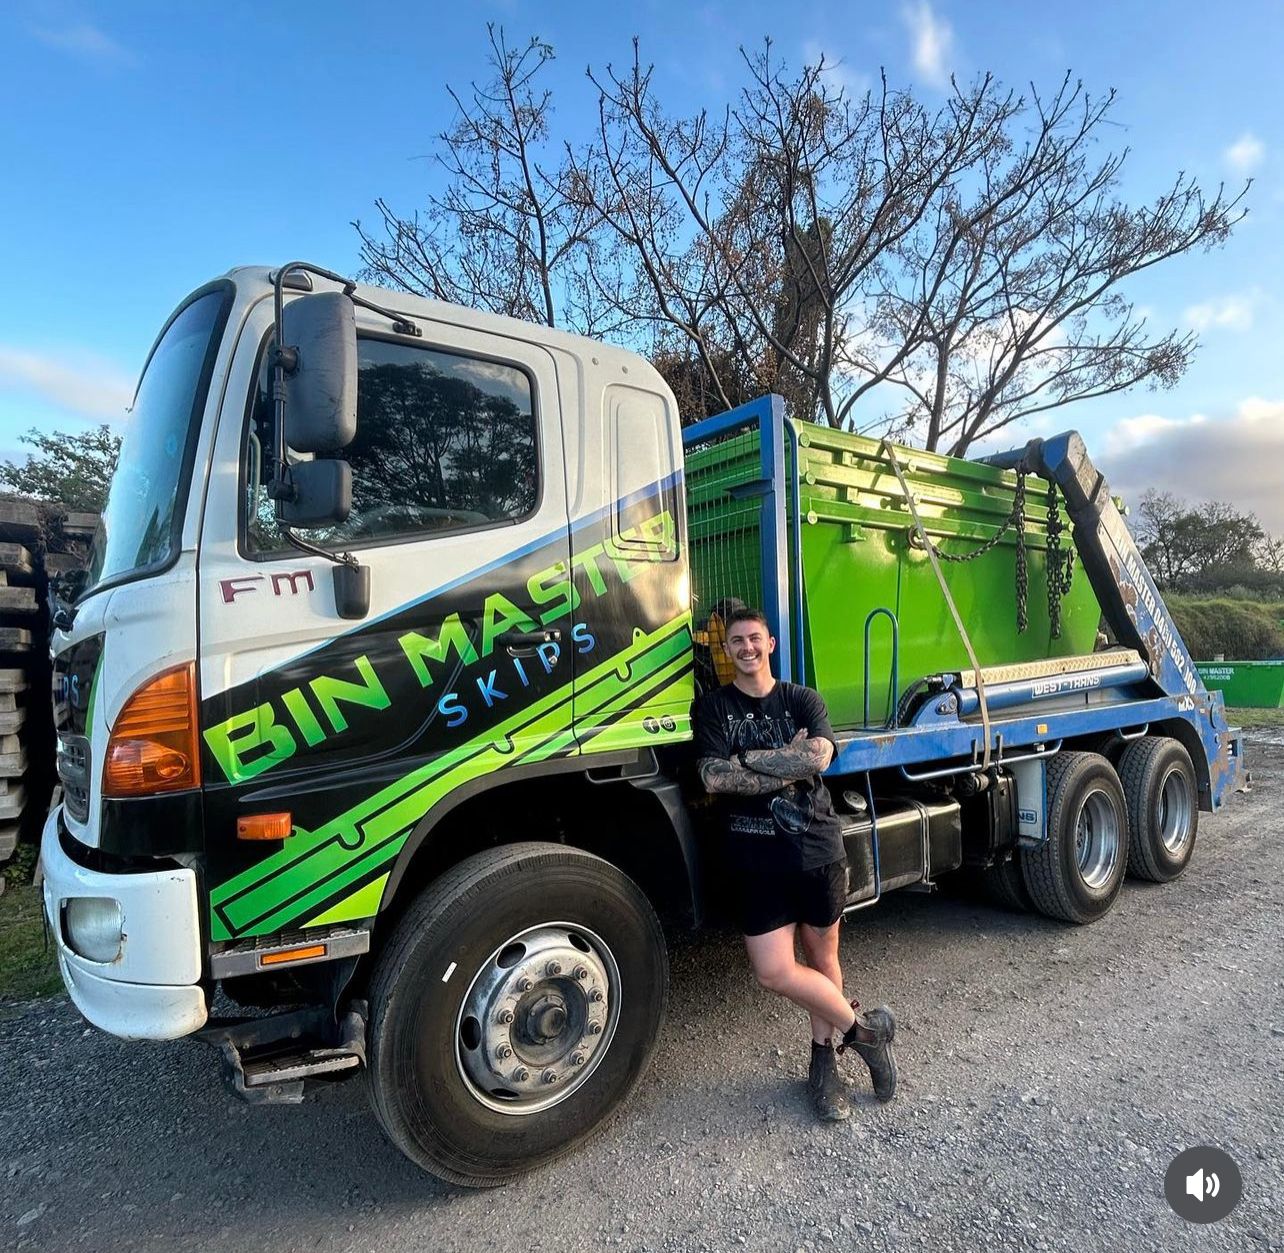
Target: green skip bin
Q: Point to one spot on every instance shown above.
(859, 554)
(1250, 684)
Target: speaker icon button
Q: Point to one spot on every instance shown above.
(1203, 1184)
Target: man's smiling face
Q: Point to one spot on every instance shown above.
(749, 645)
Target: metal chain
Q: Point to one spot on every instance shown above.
(1022, 569)
(1060, 563)
(1015, 521)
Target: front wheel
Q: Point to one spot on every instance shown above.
(1076, 873)
(513, 1011)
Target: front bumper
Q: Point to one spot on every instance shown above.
(151, 991)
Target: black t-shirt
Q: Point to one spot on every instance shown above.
(795, 827)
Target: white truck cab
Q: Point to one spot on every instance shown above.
(253, 762)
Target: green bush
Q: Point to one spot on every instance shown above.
(1240, 630)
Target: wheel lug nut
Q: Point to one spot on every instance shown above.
(595, 995)
(595, 1028)
(505, 1016)
(521, 1074)
(550, 1076)
(553, 968)
(577, 1059)
(503, 1052)
(581, 972)
(524, 984)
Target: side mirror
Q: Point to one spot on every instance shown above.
(319, 338)
(322, 494)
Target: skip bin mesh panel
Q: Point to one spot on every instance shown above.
(723, 525)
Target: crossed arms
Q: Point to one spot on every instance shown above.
(770, 769)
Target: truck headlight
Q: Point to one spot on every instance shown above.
(95, 927)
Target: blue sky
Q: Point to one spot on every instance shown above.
(150, 146)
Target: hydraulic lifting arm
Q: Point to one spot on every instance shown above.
(1131, 602)
(1127, 594)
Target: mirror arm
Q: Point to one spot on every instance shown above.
(340, 559)
(399, 323)
(351, 578)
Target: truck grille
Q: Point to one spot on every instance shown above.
(73, 774)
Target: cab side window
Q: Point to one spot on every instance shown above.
(445, 442)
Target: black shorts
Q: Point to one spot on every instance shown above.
(764, 900)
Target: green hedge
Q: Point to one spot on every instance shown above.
(1240, 630)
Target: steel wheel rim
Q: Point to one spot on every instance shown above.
(1096, 839)
(1173, 810)
(538, 1018)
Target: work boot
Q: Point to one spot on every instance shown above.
(871, 1036)
(825, 1085)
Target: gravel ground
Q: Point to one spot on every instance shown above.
(1048, 1076)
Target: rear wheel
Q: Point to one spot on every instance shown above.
(1076, 873)
(513, 1011)
(1163, 813)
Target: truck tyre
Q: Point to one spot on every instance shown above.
(513, 1010)
(1076, 873)
(1163, 811)
(1004, 885)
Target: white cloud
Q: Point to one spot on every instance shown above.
(1234, 457)
(839, 73)
(85, 41)
(1232, 313)
(1130, 434)
(1245, 154)
(932, 40)
(85, 385)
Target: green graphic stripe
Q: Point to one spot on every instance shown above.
(551, 733)
(363, 903)
(629, 731)
(315, 867)
(328, 866)
(605, 736)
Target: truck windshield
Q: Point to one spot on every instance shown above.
(139, 528)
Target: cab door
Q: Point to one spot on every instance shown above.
(356, 730)
(632, 632)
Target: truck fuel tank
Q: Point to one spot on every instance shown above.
(917, 840)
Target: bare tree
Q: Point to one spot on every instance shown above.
(1008, 290)
(942, 271)
(759, 230)
(506, 234)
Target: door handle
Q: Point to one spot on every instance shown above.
(525, 643)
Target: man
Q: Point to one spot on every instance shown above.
(761, 747)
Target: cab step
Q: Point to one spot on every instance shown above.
(267, 1060)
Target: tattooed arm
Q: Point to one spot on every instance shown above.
(800, 759)
(720, 775)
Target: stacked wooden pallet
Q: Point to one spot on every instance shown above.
(37, 541)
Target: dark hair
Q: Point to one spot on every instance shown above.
(743, 613)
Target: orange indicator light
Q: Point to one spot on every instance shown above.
(264, 827)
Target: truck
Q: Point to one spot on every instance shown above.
(373, 706)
